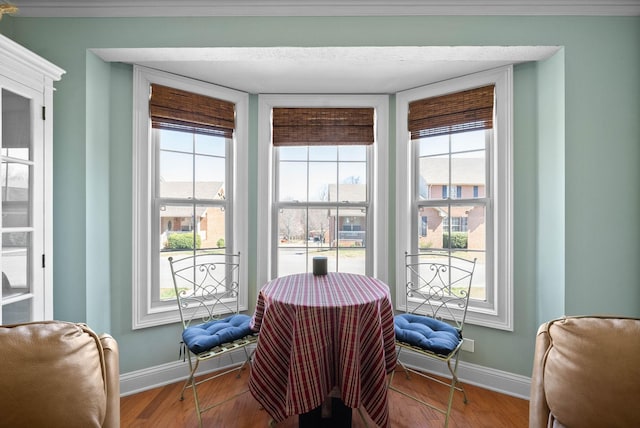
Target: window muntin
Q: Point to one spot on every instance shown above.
(321, 205)
(190, 162)
(449, 168)
(482, 166)
(192, 201)
(190, 192)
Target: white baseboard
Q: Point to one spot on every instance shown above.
(484, 377)
(165, 374)
(473, 374)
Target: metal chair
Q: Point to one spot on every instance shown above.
(207, 290)
(437, 287)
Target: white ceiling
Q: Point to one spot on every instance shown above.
(324, 69)
(327, 69)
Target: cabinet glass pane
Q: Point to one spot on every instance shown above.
(16, 248)
(17, 312)
(16, 194)
(16, 126)
(16, 178)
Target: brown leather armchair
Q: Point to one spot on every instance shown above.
(586, 373)
(58, 374)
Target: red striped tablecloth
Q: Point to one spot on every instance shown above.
(317, 332)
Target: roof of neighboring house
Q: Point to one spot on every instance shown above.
(184, 189)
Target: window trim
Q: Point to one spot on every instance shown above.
(144, 313)
(498, 313)
(379, 187)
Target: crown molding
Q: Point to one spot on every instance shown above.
(165, 8)
(27, 62)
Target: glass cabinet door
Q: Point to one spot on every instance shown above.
(21, 178)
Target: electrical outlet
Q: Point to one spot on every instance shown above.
(467, 345)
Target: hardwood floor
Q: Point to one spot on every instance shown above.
(161, 408)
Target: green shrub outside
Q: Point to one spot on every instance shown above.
(458, 240)
(220, 243)
(182, 241)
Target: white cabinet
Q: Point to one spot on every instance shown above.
(26, 134)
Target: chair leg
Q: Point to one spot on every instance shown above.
(190, 380)
(449, 404)
(195, 393)
(247, 361)
(455, 381)
(406, 370)
(453, 384)
(364, 421)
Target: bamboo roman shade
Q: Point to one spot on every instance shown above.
(176, 109)
(447, 114)
(322, 126)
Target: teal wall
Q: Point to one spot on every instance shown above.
(576, 156)
(98, 122)
(550, 196)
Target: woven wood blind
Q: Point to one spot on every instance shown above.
(447, 114)
(322, 126)
(176, 109)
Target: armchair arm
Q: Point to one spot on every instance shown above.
(112, 376)
(538, 408)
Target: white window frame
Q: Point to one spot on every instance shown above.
(379, 185)
(497, 312)
(147, 313)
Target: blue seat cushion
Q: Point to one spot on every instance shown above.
(427, 333)
(202, 337)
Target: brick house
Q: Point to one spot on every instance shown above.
(208, 222)
(467, 182)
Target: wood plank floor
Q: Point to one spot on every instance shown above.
(161, 407)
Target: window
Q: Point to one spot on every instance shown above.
(321, 193)
(455, 192)
(423, 226)
(322, 186)
(188, 195)
(454, 169)
(455, 224)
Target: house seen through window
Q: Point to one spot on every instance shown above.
(450, 167)
(322, 194)
(191, 200)
(322, 207)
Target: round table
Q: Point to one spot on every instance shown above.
(318, 332)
